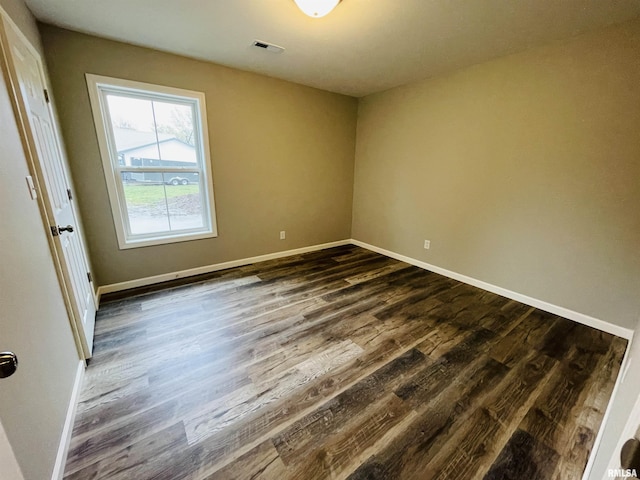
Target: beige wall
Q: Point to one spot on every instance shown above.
(34, 322)
(282, 156)
(524, 172)
(22, 17)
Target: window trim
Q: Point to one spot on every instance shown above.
(111, 168)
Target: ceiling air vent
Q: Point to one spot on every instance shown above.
(269, 47)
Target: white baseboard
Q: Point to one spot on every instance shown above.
(141, 282)
(65, 438)
(542, 305)
(548, 307)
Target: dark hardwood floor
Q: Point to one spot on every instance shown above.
(338, 364)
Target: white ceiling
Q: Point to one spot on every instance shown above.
(363, 46)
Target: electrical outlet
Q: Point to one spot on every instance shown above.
(427, 244)
(283, 235)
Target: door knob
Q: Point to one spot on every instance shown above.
(8, 364)
(630, 454)
(57, 229)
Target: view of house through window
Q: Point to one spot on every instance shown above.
(157, 163)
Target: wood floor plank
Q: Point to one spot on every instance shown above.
(97, 415)
(349, 447)
(564, 415)
(527, 334)
(214, 417)
(261, 463)
(574, 455)
(550, 419)
(311, 430)
(602, 381)
(405, 331)
(442, 338)
(413, 448)
(506, 318)
(97, 447)
(333, 364)
(524, 457)
(219, 449)
(413, 303)
(471, 450)
(133, 463)
(218, 344)
(434, 378)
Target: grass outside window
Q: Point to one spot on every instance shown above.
(149, 194)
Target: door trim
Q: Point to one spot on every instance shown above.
(65, 438)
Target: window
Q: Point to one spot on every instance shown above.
(155, 154)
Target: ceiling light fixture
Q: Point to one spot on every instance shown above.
(317, 8)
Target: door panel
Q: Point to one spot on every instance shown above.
(54, 180)
(34, 321)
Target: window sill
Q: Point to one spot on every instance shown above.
(149, 242)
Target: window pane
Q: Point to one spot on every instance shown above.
(162, 202)
(144, 194)
(133, 126)
(175, 123)
(184, 201)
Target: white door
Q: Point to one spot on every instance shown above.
(26, 69)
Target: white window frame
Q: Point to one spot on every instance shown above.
(98, 87)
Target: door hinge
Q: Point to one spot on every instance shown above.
(89, 277)
(69, 194)
(46, 95)
(54, 231)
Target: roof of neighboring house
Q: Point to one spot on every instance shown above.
(130, 139)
